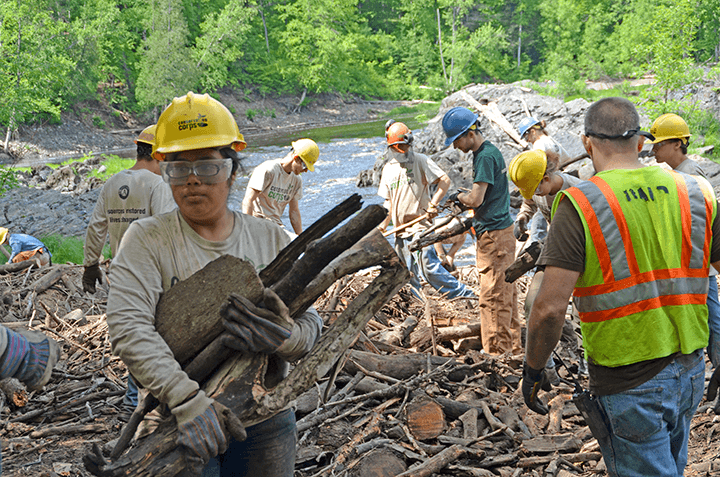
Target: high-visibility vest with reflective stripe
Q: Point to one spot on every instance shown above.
(643, 292)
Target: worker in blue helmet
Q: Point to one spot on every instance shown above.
(490, 199)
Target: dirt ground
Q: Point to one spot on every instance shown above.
(81, 406)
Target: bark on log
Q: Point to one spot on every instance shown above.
(546, 459)
(287, 256)
(238, 384)
(457, 229)
(396, 366)
(45, 282)
(556, 405)
(14, 391)
(435, 464)
(15, 267)
(556, 443)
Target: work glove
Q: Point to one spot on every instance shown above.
(204, 429)
(29, 356)
(520, 228)
(255, 329)
(91, 275)
(432, 210)
(453, 199)
(534, 380)
(713, 388)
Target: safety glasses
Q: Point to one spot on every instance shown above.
(208, 171)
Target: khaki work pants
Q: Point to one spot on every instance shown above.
(498, 299)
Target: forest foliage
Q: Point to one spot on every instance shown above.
(139, 54)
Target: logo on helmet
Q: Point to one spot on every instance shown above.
(189, 124)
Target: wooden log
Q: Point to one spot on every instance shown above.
(45, 282)
(546, 459)
(14, 391)
(470, 423)
(425, 418)
(430, 239)
(321, 252)
(556, 406)
(287, 256)
(552, 443)
(396, 366)
(491, 111)
(239, 385)
(436, 463)
(494, 422)
(379, 463)
(16, 267)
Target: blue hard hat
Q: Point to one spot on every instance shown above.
(526, 124)
(456, 122)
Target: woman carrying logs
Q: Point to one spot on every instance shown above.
(197, 140)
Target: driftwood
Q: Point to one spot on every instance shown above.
(491, 111)
(395, 366)
(459, 228)
(14, 391)
(16, 267)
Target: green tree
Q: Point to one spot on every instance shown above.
(166, 67)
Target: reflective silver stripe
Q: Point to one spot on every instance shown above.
(699, 221)
(609, 227)
(642, 291)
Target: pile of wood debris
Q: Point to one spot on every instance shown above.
(414, 397)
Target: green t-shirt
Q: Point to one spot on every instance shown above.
(494, 212)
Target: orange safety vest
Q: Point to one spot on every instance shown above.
(647, 241)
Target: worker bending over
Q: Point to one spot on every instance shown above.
(24, 247)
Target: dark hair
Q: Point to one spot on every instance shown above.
(144, 151)
(611, 118)
(684, 145)
(230, 153)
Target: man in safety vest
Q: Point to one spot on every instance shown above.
(277, 183)
(633, 245)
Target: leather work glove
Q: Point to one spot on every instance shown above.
(29, 356)
(432, 210)
(534, 380)
(204, 429)
(520, 228)
(713, 388)
(255, 329)
(453, 199)
(91, 275)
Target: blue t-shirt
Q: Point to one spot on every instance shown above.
(23, 243)
(494, 212)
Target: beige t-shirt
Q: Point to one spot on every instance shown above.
(127, 196)
(277, 189)
(156, 253)
(544, 203)
(407, 186)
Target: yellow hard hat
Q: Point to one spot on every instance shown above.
(147, 135)
(669, 126)
(195, 121)
(308, 152)
(527, 169)
(3, 235)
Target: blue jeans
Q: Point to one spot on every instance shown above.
(713, 305)
(268, 451)
(426, 261)
(538, 228)
(650, 424)
(131, 395)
